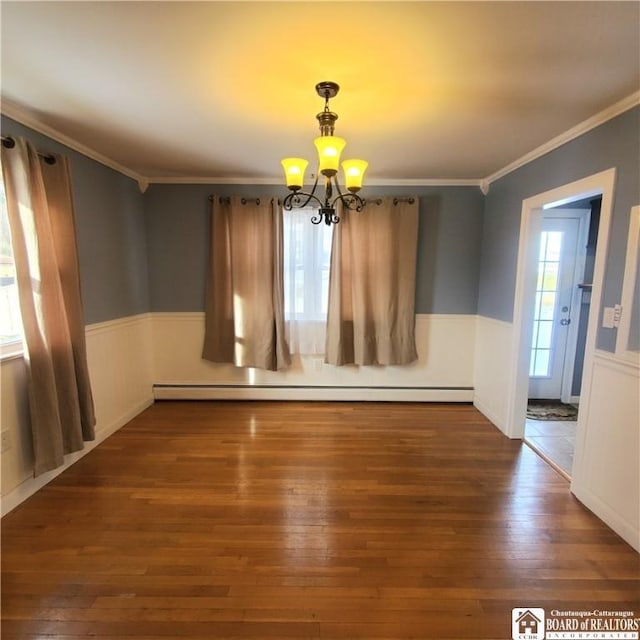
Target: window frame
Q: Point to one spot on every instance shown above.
(11, 348)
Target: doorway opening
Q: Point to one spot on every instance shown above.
(567, 246)
(582, 311)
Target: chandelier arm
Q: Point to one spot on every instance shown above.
(311, 196)
(317, 218)
(294, 200)
(350, 200)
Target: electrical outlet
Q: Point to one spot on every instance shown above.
(5, 440)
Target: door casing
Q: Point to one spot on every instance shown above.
(530, 226)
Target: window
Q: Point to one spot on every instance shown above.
(10, 321)
(546, 299)
(307, 257)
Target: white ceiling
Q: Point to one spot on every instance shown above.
(429, 90)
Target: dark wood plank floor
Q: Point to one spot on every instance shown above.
(305, 520)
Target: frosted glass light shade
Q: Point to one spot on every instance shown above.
(329, 150)
(294, 169)
(354, 173)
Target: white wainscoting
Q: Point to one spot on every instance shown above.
(119, 354)
(492, 376)
(443, 372)
(17, 460)
(119, 357)
(606, 472)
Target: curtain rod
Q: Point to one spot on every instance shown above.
(227, 200)
(408, 200)
(378, 201)
(10, 143)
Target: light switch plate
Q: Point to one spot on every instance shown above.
(617, 312)
(608, 318)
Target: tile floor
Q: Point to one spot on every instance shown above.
(554, 439)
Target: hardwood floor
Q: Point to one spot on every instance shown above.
(305, 520)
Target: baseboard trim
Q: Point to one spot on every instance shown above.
(31, 485)
(488, 414)
(321, 393)
(611, 518)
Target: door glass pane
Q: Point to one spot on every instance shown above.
(543, 245)
(541, 366)
(548, 305)
(550, 280)
(545, 305)
(554, 245)
(544, 334)
(540, 276)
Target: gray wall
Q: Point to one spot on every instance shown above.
(149, 252)
(613, 144)
(141, 253)
(110, 227)
(450, 226)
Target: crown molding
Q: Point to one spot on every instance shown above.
(20, 115)
(373, 182)
(583, 127)
(212, 180)
(425, 182)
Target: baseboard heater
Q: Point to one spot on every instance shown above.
(322, 393)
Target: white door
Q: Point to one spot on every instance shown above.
(552, 314)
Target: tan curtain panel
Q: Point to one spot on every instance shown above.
(244, 313)
(371, 317)
(41, 220)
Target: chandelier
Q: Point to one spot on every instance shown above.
(329, 149)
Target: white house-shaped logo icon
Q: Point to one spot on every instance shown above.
(527, 624)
